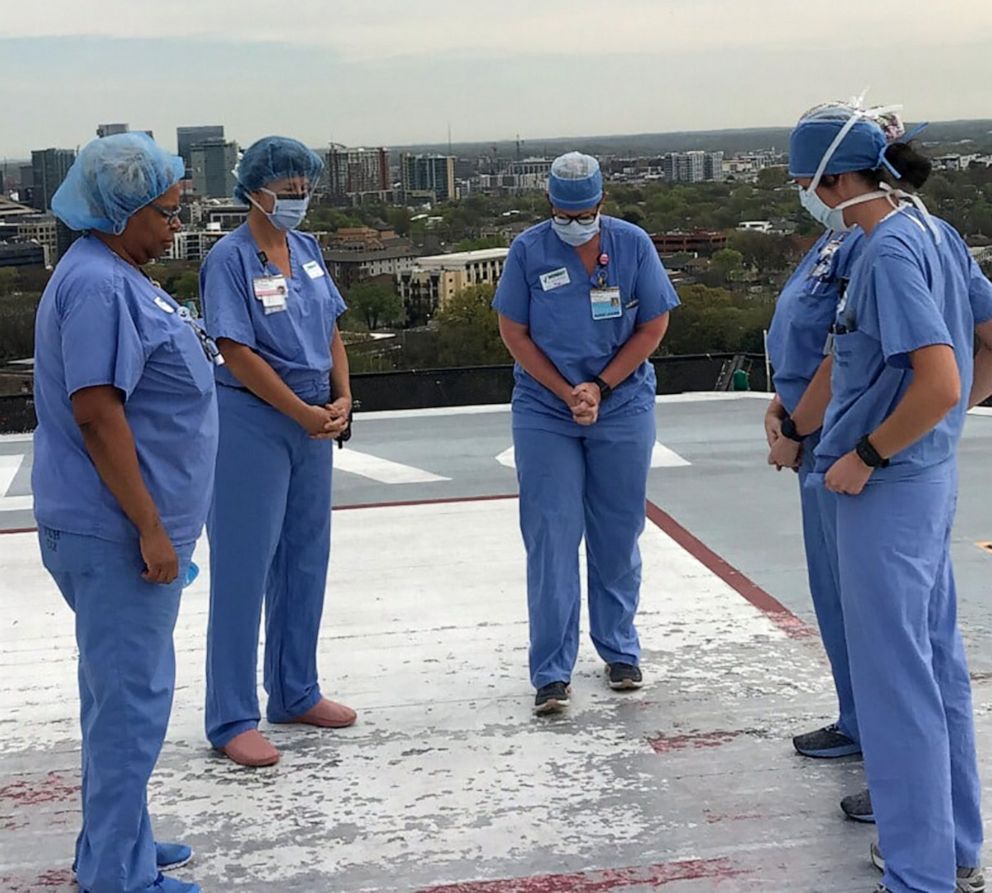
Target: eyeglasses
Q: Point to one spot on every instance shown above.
(584, 218)
(170, 216)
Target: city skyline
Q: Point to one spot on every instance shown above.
(394, 75)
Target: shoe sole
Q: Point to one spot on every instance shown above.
(253, 765)
(831, 753)
(552, 706)
(868, 819)
(626, 685)
(877, 860)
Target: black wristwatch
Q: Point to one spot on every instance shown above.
(789, 430)
(604, 389)
(869, 455)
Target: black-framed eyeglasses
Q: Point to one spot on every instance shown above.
(170, 216)
(584, 218)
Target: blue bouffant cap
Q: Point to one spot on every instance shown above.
(275, 158)
(860, 150)
(112, 178)
(575, 182)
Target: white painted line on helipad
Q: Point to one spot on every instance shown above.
(661, 457)
(385, 471)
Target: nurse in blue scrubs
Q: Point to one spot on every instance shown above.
(903, 376)
(123, 470)
(804, 314)
(583, 302)
(283, 396)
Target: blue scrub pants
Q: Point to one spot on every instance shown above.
(577, 481)
(127, 674)
(910, 677)
(270, 540)
(819, 513)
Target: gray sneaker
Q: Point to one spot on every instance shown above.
(970, 880)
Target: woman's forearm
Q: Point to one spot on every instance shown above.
(108, 440)
(537, 365)
(340, 372)
(260, 378)
(933, 392)
(635, 351)
(812, 406)
(981, 386)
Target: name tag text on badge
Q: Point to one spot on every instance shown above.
(271, 291)
(605, 303)
(554, 279)
(313, 269)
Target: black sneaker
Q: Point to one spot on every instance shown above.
(827, 743)
(552, 698)
(624, 676)
(858, 807)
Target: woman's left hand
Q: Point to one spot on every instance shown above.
(586, 398)
(785, 453)
(848, 475)
(339, 410)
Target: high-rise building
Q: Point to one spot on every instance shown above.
(714, 166)
(49, 167)
(103, 130)
(693, 167)
(429, 173)
(355, 171)
(187, 137)
(211, 168)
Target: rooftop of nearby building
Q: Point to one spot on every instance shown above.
(448, 784)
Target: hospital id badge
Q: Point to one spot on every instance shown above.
(271, 291)
(605, 303)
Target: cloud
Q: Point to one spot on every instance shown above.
(400, 74)
(361, 31)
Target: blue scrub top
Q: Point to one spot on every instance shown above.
(295, 341)
(805, 311)
(906, 292)
(545, 287)
(101, 322)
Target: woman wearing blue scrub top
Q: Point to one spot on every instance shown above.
(123, 470)
(903, 376)
(804, 314)
(284, 396)
(583, 301)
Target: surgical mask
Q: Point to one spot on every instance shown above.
(833, 218)
(575, 233)
(286, 213)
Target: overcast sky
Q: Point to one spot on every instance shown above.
(399, 71)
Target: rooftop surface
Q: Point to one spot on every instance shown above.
(448, 784)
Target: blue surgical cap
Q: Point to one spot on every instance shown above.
(275, 158)
(859, 150)
(575, 182)
(112, 178)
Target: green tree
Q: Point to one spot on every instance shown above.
(727, 261)
(468, 330)
(186, 286)
(375, 304)
(480, 244)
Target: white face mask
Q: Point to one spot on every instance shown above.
(833, 218)
(575, 233)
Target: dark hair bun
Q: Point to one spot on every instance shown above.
(913, 167)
